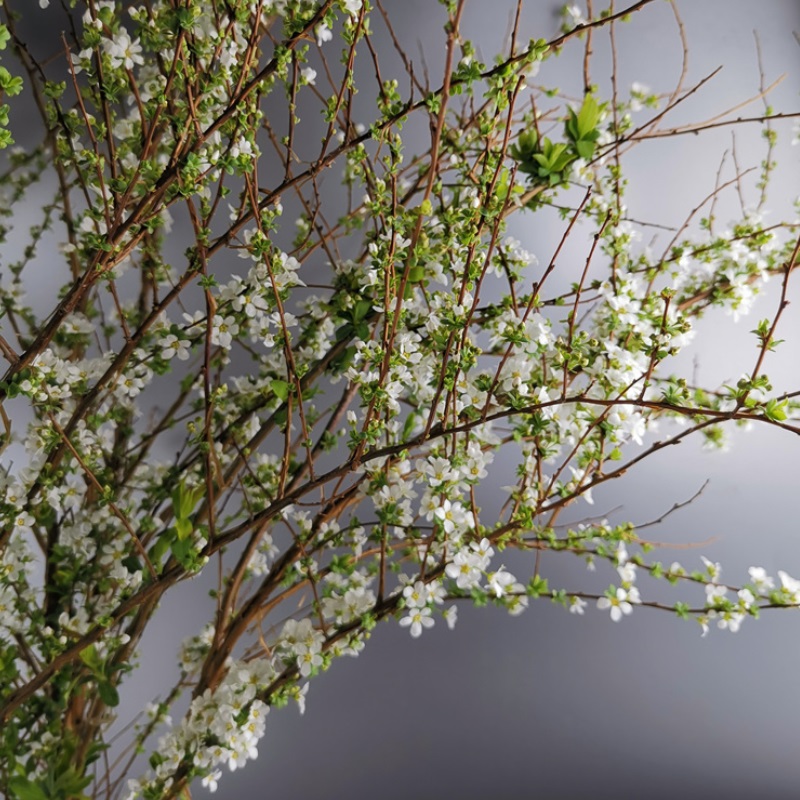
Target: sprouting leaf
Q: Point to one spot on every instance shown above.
(776, 410)
(91, 658)
(581, 127)
(184, 499)
(361, 309)
(588, 117)
(108, 693)
(24, 789)
(183, 528)
(280, 389)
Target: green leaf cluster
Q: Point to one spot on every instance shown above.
(102, 671)
(547, 162)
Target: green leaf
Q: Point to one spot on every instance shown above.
(8, 83)
(553, 160)
(581, 128)
(583, 124)
(71, 783)
(15, 86)
(183, 528)
(537, 586)
(588, 117)
(159, 549)
(585, 149)
(108, 693)
(361, 309)
(91, 658)
(526, 145)
(682, 610)
(280, 389)
(344, 332)
(186, 554)
(657, 570)
(23, 789)
(776, 411)
(342, 362)
(55, 90)
(189, 498)
(416, 274)
(408, 426)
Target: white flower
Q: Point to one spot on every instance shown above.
(437, 471)
(23, 522)
(464, 570)
(746, 597)
(713, 569)
(129, 386)
(500, 581)
(576, 605)
(308, 660)
(452, 515)
(451, 616)
(300, 697)
(791, 587)
(324, 34)
(417, 619)
(416, 596)
(172, 346)
(575, 14)
(516, 603)
(763, 582)
(730, 620)
(715, 593)
(123, 51)
(639, 93)
(308, 75)
(675, 570)
(618, 604)
(210, 780)
(627, 572)
(484, 551)
(242, 751)
(225, 328)
(248, 303)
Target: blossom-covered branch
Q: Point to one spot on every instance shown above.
(232, 370)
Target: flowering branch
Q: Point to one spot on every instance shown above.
(323, 399)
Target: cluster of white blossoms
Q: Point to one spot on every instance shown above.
(301, 641)
(619, 601)
(221, 727)
(730, 613)
(347, 598)
(419, 599)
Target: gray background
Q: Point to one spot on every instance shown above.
(548, 704)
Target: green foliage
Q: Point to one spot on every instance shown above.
(582, 128)
(547, 162)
